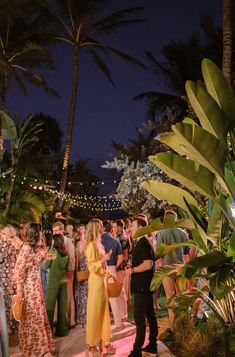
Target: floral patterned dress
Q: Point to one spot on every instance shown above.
(81, 291)
(8, 255)
(35, 337)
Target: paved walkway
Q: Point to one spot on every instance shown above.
(74, 344)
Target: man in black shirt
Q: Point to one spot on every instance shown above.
(141, 275)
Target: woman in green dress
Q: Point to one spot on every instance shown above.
(60, 269)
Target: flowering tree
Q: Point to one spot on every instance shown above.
(133, 198)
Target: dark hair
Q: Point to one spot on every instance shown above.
(107, 226)
(48, 238)
(33, 235)
(59, 244)
(120, 224)
(140, 222)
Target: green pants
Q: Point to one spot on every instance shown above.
(58, 294)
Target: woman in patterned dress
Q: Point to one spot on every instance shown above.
(81, 288)
(35, 337)
(9, 250)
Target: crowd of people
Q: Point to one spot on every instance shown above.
(42, 270)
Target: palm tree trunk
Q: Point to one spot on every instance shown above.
(69, 135)
(227, 39)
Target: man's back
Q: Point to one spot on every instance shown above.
(110, 242)
(169, 237)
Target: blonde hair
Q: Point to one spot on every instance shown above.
(93, 230)
(58, 224)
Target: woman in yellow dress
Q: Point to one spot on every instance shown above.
(98, 319)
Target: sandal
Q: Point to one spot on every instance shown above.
(93, 349)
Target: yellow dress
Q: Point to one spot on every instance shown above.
(98, 318)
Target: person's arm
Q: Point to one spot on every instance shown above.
(146, 265)
(119, 260)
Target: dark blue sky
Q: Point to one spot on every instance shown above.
(105, 112)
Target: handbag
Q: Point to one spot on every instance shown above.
(81, 275)
(16, 308)
(114, 288)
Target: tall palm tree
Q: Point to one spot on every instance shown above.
(24, 29)
(227, 39)
(81, 29)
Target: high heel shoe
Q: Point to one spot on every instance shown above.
(93, 349)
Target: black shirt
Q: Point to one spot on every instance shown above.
(140, 282)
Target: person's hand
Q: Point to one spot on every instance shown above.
(128, 269)
(19, 296)
(108, 255)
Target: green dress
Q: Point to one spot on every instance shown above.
(57, 290)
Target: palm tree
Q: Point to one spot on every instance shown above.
(24, 29)
(79, 24)
(182, 62)
(227, 39)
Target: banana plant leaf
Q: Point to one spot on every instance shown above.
(208, 260)
(202, 147)
(186, 172)
(211, 116)
(164, 249)
(215, 224)
(8, 127)
(219, 282)
(202, 246)
(158, 225)
(167, 192)
(219, 88)
(231, 247)
(230, 181)
(158, 277)
(198, 217)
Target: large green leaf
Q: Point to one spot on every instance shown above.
(8, 127)
(199, 241)
(164, 249)
(229, 179)
(208, 260)
(202, 147)
(186, 172)
(215, 223)
(211, 116)
(219, 88)
(218, 282)
(158, 225)
(159, 275)
(167, 192)
(231, 247)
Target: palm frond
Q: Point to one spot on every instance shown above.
(126, 57)
(100, 64)
(39, 81)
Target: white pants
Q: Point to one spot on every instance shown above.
(122, 297)
(114, 303)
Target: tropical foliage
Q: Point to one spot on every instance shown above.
(205, 164)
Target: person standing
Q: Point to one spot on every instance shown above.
(57, 285)
(81, 287)
(113, 263)
(58, 228)
(178, 256)
(35, 337)
(9, 250)
(141, 272)
(98, 319)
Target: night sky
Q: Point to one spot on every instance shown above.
(105, 112)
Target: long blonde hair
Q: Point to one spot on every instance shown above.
(93, 230)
